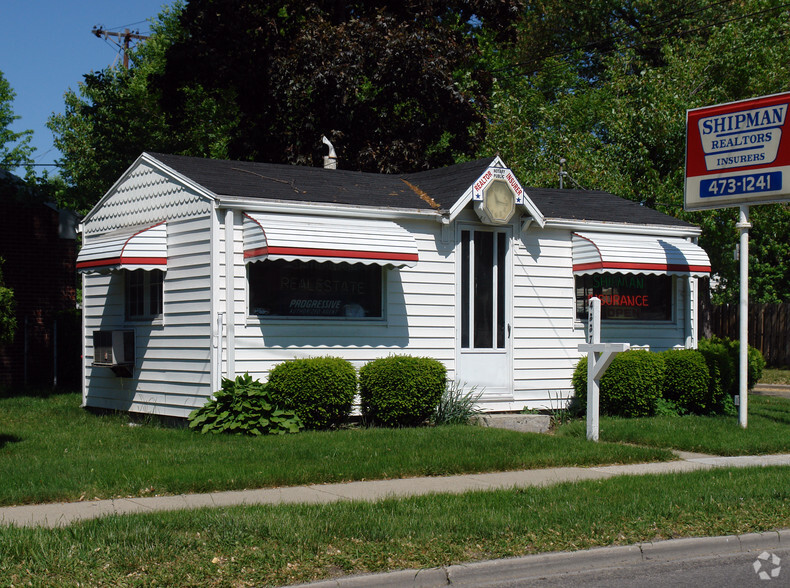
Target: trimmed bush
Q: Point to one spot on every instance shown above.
(243, 406)
(687, 380)
(630, 387)
(723, 375)
(723, 358)
(319, 389)
(401, 390)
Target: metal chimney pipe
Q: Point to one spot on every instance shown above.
(330, 161)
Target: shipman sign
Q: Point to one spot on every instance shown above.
(738, 153)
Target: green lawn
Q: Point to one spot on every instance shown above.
(775, 376)
(277, 545)
(52, 450)
(767, 431)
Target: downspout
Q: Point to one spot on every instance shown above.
(230, 296)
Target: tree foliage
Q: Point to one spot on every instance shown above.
(7, 310)
(112, 117)
(406, 86)
(391, 83)
(606, 86)
(15, 148)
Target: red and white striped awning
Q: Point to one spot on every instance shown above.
(300, 237)
(595, 253)
(131, 248)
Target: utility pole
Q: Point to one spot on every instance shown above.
(127, 37)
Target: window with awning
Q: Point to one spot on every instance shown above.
(637, 254)
(143, 248)
(633, 275)
(330, 268)
(292, 237)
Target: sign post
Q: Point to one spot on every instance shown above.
(738, 154)
(599, 357)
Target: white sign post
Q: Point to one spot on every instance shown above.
(599, 357)
(738, 154)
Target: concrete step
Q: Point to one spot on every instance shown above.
(524, 423)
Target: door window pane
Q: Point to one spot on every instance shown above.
(484, 295)
(501, 271)
(465, 283)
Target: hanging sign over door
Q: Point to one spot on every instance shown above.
(738, 153)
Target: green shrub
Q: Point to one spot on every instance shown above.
(244, 407)
(578, 405)
(319, 389)
(723, 358)
(401, 390)
(456, 406)
(723, 378)
(630, 387)
(687, 380)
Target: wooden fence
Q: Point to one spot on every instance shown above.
(769, 328)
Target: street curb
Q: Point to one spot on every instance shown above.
(531, 567)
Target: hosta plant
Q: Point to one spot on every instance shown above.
(243, 406)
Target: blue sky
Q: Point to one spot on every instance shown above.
(46, 47)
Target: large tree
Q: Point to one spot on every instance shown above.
(612, 99)
(398, 86)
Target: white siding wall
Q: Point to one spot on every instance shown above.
(172, 373)
(546, 332)
(419, 308)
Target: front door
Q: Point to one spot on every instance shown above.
(484, 292)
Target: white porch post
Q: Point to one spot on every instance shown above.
(230, 296)
(743, 225)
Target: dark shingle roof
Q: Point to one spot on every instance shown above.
(437, 189)
(312, 184)
(594, 205)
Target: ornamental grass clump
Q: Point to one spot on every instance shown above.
(320, 390)
(457, 405)
(401, 390)
(243, 407)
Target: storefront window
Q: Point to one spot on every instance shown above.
(626, 296)
(312, 289)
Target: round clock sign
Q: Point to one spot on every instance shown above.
(499, 203)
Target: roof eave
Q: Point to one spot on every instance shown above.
(632, 228)
(344, 210)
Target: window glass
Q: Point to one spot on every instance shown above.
(465, 293)
(626, 296)
(484, 302)
(312, 289)
(144, 294)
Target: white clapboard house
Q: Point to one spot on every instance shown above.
(196, 269)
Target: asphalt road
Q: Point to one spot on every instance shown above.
(709, 572)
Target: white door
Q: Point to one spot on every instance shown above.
(484, 318)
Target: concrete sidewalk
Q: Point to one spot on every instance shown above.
(62, 514)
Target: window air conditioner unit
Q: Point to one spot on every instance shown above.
(115, 350)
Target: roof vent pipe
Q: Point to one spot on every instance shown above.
(330, 161)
